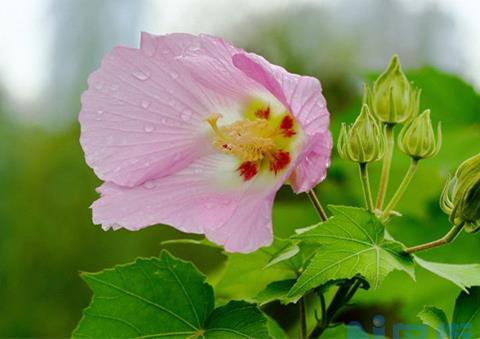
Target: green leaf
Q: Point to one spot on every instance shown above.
(464, 276)
(293, 257)
(162, 296)
(237, 319)
(353, 242)
(252, 267)
(466, 316)
(201, 242)
(275, 330)
(285, 254)
(438, 89)
(277, 290)
(345, 331)
(436, 319)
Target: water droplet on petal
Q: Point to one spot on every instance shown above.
(186, 115)
(149, 184)
(148, 128)
(100, 111)
(145, 103)
(174, 75)
(141, 75)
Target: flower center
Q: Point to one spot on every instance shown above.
(248, 140)
(261, 141)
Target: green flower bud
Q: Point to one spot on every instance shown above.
(461, 196)
(417, 138)
(363, 142)
(393, 99)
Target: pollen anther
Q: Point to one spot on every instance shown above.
(249, 140)
(257, 142)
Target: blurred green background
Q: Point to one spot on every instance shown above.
(50, 47)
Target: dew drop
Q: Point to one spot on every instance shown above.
(149, 184)
(141, 75)
(100, 111)
(148, 128)
(225, 202)
(174, 75)
(145, 104)
(186, 115)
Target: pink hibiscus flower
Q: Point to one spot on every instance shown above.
(195, 133)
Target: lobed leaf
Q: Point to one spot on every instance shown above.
(346, 331)
(353, 242)
(466, 316)
(277, 290)
(436, 319)
(160, 297)
(252, 267)
(464, 276)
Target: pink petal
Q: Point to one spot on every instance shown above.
(197, 199)
(144, 133)
(261, 75)
(303, 95)
(312, 168)
(143, 114)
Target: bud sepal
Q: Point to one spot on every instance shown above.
(461, 196)
(363, 142)
(417, 137)
(393, 99)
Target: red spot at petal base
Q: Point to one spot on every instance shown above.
(280, 160)
(286, 125)
(248, 170)
(263, 113)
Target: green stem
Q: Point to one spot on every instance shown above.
(317, 205)
(447, 238)
(387, 160)
(367, 193)
(323, 307)
(401, 189)
(343, 295)
(353, 290)
(303, 318)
